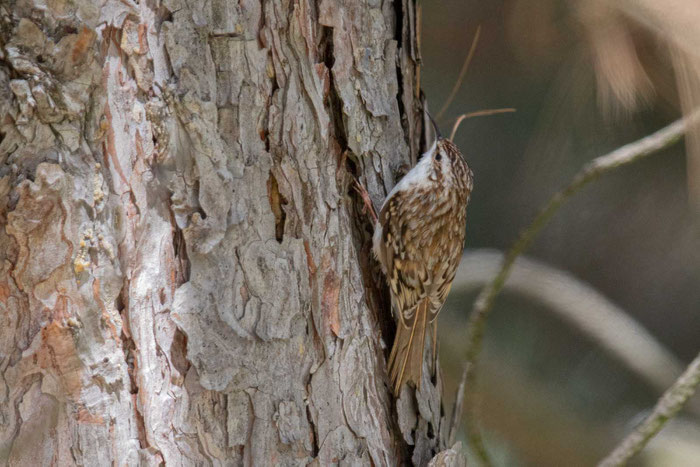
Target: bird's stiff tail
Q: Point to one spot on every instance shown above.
(406, 358)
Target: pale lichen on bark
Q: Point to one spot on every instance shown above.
(182, 276)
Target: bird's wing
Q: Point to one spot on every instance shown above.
(406, 269)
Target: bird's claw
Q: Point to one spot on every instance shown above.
(367, 201)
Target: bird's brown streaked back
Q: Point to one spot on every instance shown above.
(418, 241)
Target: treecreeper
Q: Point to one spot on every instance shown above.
(418, 241)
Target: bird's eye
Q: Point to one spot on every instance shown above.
(438, 156)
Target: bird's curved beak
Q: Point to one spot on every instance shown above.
(438, 135)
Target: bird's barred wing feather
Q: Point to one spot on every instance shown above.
(418, 241)
(407, 272)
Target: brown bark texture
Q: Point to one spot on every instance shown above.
(184, 270)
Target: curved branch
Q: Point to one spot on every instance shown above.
(583, 307)
(666, 408)
(591, 171)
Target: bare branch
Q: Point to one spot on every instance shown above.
(462, 74)
(591, 171)
(582, 307)
(666, 408)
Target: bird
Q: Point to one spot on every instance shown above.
(418, 241)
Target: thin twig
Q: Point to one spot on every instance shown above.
(666, 408)
(462, 74)
(478, 113)
(591, 171)
(457, 410)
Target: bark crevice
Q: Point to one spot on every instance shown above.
(215, 271)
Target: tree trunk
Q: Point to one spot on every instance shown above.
(184, 270)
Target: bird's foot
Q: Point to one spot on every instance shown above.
(367, 207)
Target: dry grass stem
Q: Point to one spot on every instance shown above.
(478, 113)
(462, 74)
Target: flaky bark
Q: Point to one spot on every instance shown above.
(184, 277)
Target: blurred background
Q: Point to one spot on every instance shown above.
(585, 78)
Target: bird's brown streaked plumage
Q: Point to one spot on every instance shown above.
(418, 242)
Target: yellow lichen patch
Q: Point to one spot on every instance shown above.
(97, 193)
(80, 264)
(82, 261)
(73, 323)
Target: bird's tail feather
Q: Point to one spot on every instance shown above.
(406, 358)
